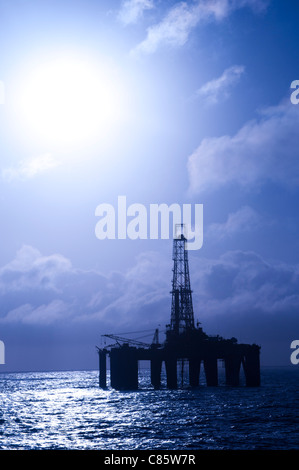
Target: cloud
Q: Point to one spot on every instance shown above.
(30, 270)
(54, 290)
(219, 88)
(242, 295)
(48, 306)
(42, 315)
(39, 289)
(142, 288)
(243, 282)
(181, 19)
(264, 149)
(30, 168)
(132, 10)
(243, 220)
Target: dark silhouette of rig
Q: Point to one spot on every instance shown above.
(185, 344)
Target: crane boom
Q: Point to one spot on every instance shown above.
(121, 339)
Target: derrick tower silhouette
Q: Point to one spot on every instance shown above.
(182, 316)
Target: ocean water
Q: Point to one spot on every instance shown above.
(67, 410)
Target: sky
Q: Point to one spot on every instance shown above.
(163, 102)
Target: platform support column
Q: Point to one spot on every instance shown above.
(251, 365)
(124, 368)
(194, 369)
(211, 371)
(156, 365)
(232, 370)
(171, 372)
(103, 368)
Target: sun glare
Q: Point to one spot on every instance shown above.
(66, 101)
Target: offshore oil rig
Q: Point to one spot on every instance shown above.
(185, 344)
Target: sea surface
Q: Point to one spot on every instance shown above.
(68, 410)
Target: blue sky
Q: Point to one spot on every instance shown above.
(169, 102)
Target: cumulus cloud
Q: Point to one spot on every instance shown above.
(182, 18)
(54, 290)
(30, 168)
(44, 314)
(141, 294)
(243, 282)
(29, 270)
(239, 294)
(257, 301)
(263, 149)
(39, 289)
(219, 88)
(132, 10)
(244, 220)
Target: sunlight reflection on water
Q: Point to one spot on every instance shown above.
(67, 410)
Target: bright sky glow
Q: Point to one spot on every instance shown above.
(67, 100)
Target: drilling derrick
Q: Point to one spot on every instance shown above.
(182, 317)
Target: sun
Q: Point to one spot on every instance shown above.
(67, 101)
